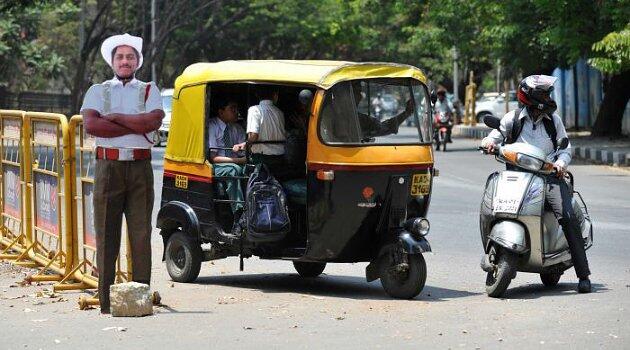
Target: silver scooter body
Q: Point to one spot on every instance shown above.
(513, 216)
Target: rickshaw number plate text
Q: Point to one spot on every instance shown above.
(181, 181)
(420, 184)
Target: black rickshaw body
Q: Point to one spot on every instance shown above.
(367, 177)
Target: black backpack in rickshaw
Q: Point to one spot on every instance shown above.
(266, 207)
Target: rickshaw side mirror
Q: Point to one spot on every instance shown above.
(433, 97)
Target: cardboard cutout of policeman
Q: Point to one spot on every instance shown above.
(122, 113)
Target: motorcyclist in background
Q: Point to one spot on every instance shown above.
(445, 107)
(538, 125)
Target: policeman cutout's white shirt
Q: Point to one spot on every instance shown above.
(125, 99)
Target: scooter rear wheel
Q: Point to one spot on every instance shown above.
(497, 281)
(550, 279)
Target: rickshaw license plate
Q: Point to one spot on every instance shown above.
(420, 184)
(181, 181)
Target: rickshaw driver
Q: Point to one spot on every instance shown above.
(223, 131)
(371, 126)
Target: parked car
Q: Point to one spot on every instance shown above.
(167, 104)
(495, 106)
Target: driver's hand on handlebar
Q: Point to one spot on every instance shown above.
(491, 147)
(560, 170)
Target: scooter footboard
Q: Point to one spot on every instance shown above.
(509, 234)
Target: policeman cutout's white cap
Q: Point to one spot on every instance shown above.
(119, 40)
(542, 82)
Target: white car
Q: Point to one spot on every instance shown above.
(495, 106)
(167, 104)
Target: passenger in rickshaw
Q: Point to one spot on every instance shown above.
(297, 123)
(265, 122)
(224, 132)
(371, 126)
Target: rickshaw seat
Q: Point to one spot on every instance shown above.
(295, 190)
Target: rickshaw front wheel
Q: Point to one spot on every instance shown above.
(183, 257)
(403, 282)
(309, 269)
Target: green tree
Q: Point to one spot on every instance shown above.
(611, 55)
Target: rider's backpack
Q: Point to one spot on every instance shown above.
(517, 127)
(267, 213)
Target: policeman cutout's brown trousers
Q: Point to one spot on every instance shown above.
(122, 187)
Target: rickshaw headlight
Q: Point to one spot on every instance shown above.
(418, 226)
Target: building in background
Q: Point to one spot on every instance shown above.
(579, 88)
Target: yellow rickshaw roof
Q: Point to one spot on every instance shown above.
(323, 74)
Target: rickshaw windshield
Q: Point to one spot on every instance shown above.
(376, 111)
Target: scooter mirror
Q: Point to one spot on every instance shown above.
(433, 97)
(492, 122)
(564, 143)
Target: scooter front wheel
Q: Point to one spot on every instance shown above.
(498, 280)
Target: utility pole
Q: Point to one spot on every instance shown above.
(498, 75)
(153, 30)
(455, 74)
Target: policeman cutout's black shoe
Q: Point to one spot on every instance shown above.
(584, 286)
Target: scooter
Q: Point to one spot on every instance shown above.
(518, 233)
(442, 124)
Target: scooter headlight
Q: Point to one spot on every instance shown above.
(418, 226)
(528, 162)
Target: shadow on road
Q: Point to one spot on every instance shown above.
(536, 291)
(329, 286)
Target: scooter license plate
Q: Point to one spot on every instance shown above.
(509, 206)
(509, 192)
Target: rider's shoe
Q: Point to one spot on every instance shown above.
(584, 286)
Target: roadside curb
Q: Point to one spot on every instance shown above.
(618, 158)
(471, 132)
(601, 155)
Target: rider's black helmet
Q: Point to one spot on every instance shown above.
(535, 92)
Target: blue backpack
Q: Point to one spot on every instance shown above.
(267, 212)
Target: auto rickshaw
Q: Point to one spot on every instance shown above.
(365, 181)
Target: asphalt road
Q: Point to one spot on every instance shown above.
(269, 305)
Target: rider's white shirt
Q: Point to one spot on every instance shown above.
(534, 136)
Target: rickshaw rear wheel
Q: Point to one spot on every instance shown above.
(309, 269)
(183, 257)
(403, 283)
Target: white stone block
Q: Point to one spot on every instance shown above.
(131, 299)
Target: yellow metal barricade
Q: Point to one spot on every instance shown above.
(85, 270)
(48, 175)
(15, 230)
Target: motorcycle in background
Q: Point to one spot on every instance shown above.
(442, 123)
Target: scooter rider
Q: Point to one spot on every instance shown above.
(538, 125)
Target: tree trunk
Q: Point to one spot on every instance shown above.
(610, 115)
(78, 87)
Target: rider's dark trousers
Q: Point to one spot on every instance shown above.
(559, 198)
